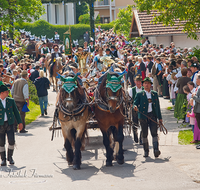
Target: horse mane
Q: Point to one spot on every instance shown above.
(102, 88)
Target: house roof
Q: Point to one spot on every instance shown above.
(142, 26)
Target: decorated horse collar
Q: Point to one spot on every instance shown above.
(113, 82)
(70, 83)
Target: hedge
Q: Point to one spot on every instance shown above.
(42, 27)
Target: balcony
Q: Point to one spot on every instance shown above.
(103, 4)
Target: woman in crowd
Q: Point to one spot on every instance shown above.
(42, 85)
(181, 97)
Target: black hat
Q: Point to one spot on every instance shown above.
(107, 49)
(138, 78)
(112, 47)
(147, 79)
(3, 87)
(194, 65)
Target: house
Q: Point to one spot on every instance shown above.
(59, 13)
(158, 33)
(108, 9)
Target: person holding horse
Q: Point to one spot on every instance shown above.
(147, 104)
(132, 92)
(53, 57)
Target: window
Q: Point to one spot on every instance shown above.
(56, 14)
(66, 14)
(48, 13)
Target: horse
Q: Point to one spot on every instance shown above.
(46, 63)
(57, 68)
(73, 114)
(108, 110)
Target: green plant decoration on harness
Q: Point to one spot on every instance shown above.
(70, 83)
(113, 82)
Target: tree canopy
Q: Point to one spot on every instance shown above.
(187, 11)
(122, 25)
(19, 11)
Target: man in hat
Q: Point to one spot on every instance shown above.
(147, 104)
(57, 37)
(20, 93)
(86, 37)
(91, 47)
(194, 69)
(108, 53)
(44, 50)
(8, 114)
(53, 57)
(114, 52)
(132, 93)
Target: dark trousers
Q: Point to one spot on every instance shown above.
(197, 116)
(145, 123)
(9, 131)
(22, 114)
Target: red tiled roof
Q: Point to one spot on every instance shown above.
(146, 27)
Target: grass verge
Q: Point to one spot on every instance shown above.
(185, 137)
(33, 113)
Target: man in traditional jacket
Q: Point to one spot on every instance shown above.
(132, 92)
(148, 107)
(8, 114)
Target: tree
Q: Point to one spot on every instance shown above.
(81, 9)
(187, 11)
(91, 6)
(85, 19)
(19, 11)
(122, 25)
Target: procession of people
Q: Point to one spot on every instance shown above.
(150, 72)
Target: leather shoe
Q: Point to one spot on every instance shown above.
(11, 161)
(146, 154)
(45, 112)
(3, 163)
(23, 131)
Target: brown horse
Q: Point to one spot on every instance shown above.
(57, 68)
(46, 62)
(73, 114)
(109, 114)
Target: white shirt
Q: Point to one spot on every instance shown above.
(150, 104)
(4, 105)
(130, 92)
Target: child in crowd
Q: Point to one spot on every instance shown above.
(191, 86)
(193, 123)
(187, 91)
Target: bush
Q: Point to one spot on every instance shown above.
(42, 27)
(33, 92)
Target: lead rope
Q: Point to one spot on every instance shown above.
(160, 124)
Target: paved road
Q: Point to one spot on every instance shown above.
(41, 164)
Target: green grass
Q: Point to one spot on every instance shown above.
(169, 108)
(185, 137)
(33, 113)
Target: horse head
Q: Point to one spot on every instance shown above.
(59, 63)
(71, 92)
(113, 91)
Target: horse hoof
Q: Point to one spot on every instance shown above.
(76, 167)
(120, 162)
(108, 163)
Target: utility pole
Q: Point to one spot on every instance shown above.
(1, 40)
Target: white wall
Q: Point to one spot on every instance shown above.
(61, 20)
(180, 41)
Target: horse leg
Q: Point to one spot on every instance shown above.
(120, 138)
(78, 144)
(109, 150)
(69, 154)
(68, 144)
